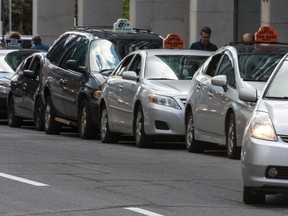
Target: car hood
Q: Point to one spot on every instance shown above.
(5, 78)
(257, 85)
(169, 87)
(278, 113)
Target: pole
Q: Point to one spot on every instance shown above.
(10, 15)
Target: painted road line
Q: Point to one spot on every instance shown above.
(22, 180)
(143, 211)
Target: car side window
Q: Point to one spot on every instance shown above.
(123, 65)
(226, 68)
(212, 66)
(70, 46)
(35, 65)
(54, 54)
(136, 64)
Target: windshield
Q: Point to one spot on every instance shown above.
(257, 67)
(176, 67)
(277, 88)
(105, 54)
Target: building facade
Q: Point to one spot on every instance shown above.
(228, 19)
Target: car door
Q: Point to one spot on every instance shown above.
(202, 96)
(113, 91)
(221, 98)
(19, 85)
(72, 83)
(32, 85)
(128, 91)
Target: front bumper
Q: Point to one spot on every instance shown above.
(257, 157)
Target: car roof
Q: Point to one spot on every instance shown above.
(258, 48)
(175, 52)
(108, 33)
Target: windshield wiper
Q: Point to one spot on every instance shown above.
(160, 78)
(277, 98)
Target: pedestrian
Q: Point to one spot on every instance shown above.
(248, 38)
(37, 43)
(204, 43)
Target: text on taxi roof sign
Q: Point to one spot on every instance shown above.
(266, 34)
(173, 41)
(122, 26)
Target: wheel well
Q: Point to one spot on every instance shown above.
(188, 109)
(137, 104)
(229, 112)
(81, 97)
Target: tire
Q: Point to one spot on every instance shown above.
(51, 126)
(250, 198)
(233, 151)
(106, 135)
(13, 121)
(141, 139)
(85, 127)
(39, 115)
(192, 145)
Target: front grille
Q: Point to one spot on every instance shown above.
(282, 172)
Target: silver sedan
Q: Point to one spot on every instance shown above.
(265, 143)
(214, 113)
(145, 95)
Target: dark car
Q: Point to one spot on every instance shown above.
(9, 61)
(75, 69)
(24, 100)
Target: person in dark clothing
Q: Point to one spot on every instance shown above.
(37, 43)
(204, 43)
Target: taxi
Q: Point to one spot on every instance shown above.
(145, 95)
(214, 114)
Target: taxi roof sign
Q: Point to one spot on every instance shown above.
(266, 34)
(122, 26)
(173, 41)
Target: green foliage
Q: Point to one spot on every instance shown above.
(126, 9)
(21, 16)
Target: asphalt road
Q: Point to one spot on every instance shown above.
(64, 175)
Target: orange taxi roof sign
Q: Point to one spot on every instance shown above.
(173, 41)
(266, 34)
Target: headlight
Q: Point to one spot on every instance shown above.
(165, 101)
(261, 127)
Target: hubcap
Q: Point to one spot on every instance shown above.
(104, 122)
(231, 136)
(190, 132)
(138, 127)
(47, 116)
(83, 120)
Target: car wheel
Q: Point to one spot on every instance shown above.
(106, 135)
(51, 126)
(86, 129)
(192, 145)
(38, 115)
(13, 121)
(141, 139)
(250, 198)
(233, 151)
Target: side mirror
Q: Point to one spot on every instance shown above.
(130, 75)
(248, 94)
(220, 80)
(29, 74)
(71, 64)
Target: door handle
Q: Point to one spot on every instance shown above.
(63, 81)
